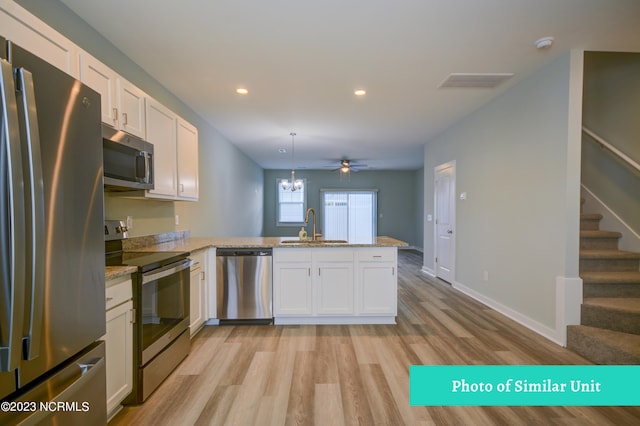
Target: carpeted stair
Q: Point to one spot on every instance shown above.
(610, 316)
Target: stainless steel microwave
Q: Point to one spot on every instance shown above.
(127, 161)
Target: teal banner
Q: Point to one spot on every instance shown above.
(525, 385)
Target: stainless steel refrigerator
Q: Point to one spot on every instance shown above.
(52, 294)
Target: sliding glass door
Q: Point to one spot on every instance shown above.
(350, 215)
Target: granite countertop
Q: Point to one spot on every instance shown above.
(113, 272)
(192, 244)
(182, 242)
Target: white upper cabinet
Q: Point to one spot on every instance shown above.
(187, 160)
(124, 106)
(175, 152)
(122, 102)
(132, 102)
(29, 32)
(102, 79)
(161, 132)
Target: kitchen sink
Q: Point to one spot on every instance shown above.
(312, 242)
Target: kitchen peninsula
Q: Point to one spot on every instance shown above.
(314, 282)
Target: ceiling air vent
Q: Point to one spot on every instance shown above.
(488, 80)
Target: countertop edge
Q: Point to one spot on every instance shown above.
(113, 272)
(193, 244)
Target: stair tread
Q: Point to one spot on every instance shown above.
(590, 216)
(629, 343)
(608, 254)
(627, 304)
(611, 277)
(586, 233)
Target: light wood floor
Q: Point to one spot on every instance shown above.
(358, 374)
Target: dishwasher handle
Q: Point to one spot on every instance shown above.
(244, 252)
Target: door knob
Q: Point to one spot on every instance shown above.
(449, 231)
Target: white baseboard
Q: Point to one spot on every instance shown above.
(524, 320)
(429, 271)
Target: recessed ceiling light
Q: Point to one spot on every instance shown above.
(242, 91)
(282, 150)
(360, 92)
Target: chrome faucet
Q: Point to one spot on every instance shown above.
(306, 220)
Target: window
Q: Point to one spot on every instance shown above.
(291, 205)
(350, 215)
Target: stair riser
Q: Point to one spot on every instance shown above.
(594, 350)
(589, 225)
(611, 319)
(599, 243)
(604, 265)
(611, 290)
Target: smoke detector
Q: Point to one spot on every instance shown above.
(544, 43)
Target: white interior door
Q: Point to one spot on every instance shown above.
(445, 197)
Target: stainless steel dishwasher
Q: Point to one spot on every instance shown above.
(244, 285)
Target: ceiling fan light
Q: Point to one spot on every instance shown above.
(344, 169)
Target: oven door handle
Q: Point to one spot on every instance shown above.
(165, 271)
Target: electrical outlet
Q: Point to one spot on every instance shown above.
(177, 220)
(129, 222)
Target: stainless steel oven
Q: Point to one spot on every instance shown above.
(161, 302)
(164, 306)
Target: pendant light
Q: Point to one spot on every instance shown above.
(293, 185)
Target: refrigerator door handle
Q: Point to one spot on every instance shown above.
(12, 230)
(35, 214)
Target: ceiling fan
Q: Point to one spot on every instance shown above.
(348, 166)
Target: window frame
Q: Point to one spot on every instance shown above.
(304, 204)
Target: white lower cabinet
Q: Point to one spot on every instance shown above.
(198, 291)
(334, 285)
(377, 281)
(335, 282)
(292, 283)
(119, 342)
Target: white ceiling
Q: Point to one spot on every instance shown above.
(301, 60)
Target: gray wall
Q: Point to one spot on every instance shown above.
(397, 201)
(230, 183)
(612, 110)
(517, 158)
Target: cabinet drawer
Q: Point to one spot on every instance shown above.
(333, 255)
(291, 255)
(118, 292)
(377, 254)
